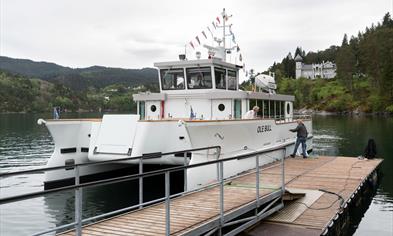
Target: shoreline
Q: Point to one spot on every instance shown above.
(343, 113)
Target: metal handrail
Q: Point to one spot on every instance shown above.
(78, 186)
(144, 156)
(136, 176)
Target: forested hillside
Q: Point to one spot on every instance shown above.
(19, 94)
(80, 78)
(364, 80)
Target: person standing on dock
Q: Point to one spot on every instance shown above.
(301, 138)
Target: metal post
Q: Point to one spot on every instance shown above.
(218, 165)
(283, 172)
(167, 205)
(140, 183)
(221, 196)
(78, 204)
(185, 172)
(257, 184)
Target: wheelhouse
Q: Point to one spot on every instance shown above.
(206, 90)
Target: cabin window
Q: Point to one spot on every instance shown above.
(221, 107)
(271, 109)
(220, 78)
(282, 108)
(288, 109)
(172, 79)
(238, 109)
(253, 102)
(153, 108)
(265, 108)
(199, 78)
(232, 84)
(260, 104)
(277, 109)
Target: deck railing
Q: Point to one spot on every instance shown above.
(78, 223)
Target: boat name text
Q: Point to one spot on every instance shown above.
(264, 128)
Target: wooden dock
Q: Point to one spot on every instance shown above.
(196, 213)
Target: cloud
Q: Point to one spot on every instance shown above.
(146, 53)
(134, 34)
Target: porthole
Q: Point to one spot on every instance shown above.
(153, 108)
(221, 107)
(288, 108)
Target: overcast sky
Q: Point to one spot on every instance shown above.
(135, 34)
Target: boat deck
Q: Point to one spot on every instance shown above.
(341, 175)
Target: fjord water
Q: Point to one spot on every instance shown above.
(25, 145)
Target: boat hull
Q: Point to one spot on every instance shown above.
(76, 140)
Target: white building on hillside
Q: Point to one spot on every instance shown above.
(326, 70)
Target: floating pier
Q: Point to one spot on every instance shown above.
(319, 195)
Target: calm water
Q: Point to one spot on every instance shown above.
(25, 145)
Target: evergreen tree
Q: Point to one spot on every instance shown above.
(345, 41)
(387, 20)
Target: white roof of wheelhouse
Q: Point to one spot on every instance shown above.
(191, 63)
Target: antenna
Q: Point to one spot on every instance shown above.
(223, 33)
(221, 50)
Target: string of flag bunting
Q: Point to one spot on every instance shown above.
(203, 36)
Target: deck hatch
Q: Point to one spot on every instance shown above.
(115, 135)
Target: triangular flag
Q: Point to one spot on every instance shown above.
(240, 57)
(210, 31)
(192, 45)
(197, 39)
(237, 48)
(203, 32)
(214, 25)
(218, 19)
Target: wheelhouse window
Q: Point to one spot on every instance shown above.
(232, 84)
(172, 79)
(199, 78)
(220, 78)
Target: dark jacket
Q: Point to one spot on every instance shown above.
(301, 131)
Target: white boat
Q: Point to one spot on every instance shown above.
(199, 105)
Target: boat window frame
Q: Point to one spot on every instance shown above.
(224, 79)
(188, 77)
(166, 71)
(235, 78)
